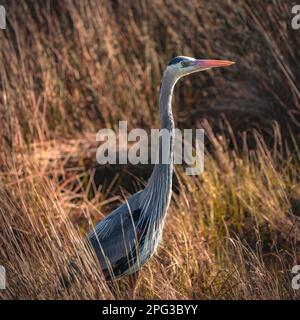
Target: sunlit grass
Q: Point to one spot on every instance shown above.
(68, 70)
(228, 234)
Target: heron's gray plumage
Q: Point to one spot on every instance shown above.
(129, 236)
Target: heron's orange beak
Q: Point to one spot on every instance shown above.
(213, 63)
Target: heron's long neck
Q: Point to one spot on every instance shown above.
(159, 186)
(165, 104)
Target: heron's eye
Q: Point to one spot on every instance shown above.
(184, 64)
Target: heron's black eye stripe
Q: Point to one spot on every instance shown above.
(175, 60)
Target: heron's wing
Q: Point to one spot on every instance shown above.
(114, 238)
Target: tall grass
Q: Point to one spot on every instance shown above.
(68, 68)
(233, 232)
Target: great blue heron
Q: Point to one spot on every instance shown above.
(126, 239)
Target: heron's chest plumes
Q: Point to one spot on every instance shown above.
(156, 196)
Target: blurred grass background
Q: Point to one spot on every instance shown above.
(70, 68)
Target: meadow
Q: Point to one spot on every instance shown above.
(70, 68)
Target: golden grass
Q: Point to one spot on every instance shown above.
(230, 233)
(68, 69)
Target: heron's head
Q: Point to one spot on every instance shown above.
(182, 66)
